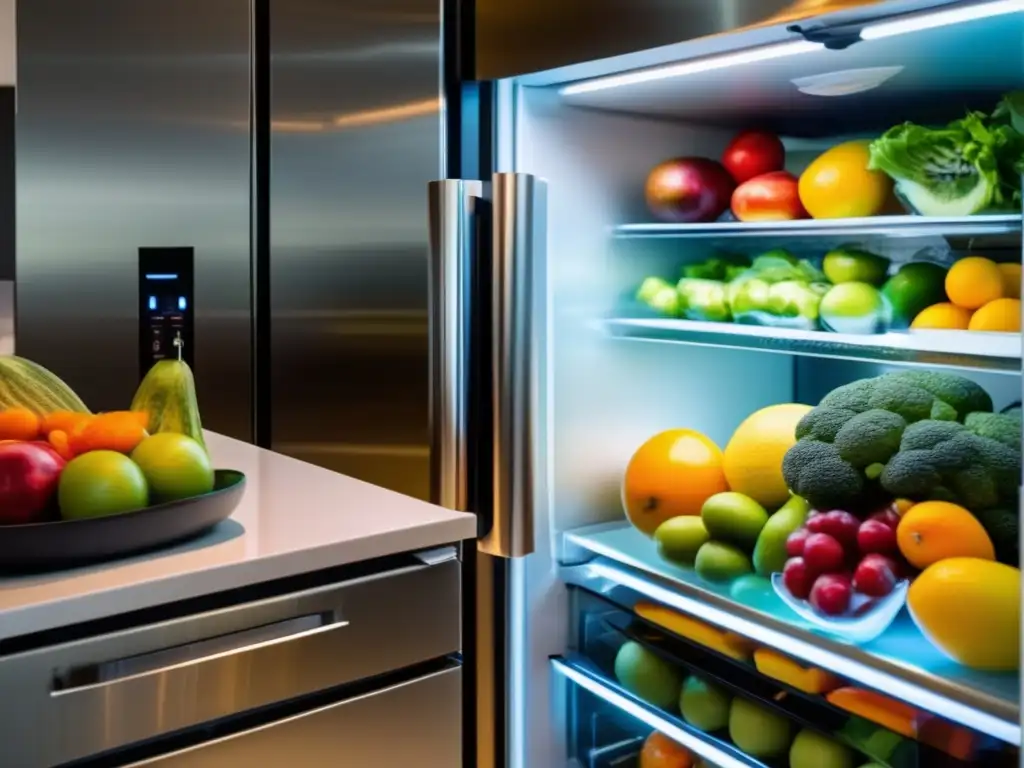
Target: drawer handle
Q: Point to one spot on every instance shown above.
(70, 679)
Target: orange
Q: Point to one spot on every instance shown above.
(944, 316)
(117, 431)
(1011, 280)
(671, 474)
(838, 184)
(660, 751)
(753, 457)
(999, 315)
(19, 424)
(938, 530)
(973, 282)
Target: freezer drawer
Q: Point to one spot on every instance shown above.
(415, 723)
(69, 701)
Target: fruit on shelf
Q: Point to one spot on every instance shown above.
(913, 288)
(726, 643)
(101, 483)
(688, 190)
(876, 575)
(938, 530)
(19, 424)
(768, 197)
(753, 153)
(877, 536)
(679, 538)
(891, 514)
(970, 610)
(854, 308)
(734, 518)
(944, 317)
(836, 523)
(796, 541)
(647, 675)
(973, 282)
(718, 562)
(29, 475)
(775, 665)
(175, 466)
(25, 384)
(701, 299)
(831, 593)
(838, 184)
(673, 473)
(752, 460)
(1011, 280)
(757, 730)
(853, 265)
(659, 295)
(823, 553)
(704, 705)
(811, 749)
(771, 550)
(892, 714)
(998, 316)
(659, 751)
(167, 395)
(798, 578)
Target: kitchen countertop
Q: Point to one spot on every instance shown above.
(294, 518)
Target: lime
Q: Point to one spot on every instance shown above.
(916, 286)
(101, 483)
(176, 466)
(853, 308)
(850, 265)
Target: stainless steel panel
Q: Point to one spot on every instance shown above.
(92, 695)
(356, 137)
(415, 723)
(133, 130)
(6, 317)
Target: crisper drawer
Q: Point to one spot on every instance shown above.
(81, 698)
(415, 723)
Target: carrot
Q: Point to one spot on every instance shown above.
(113, 431)
(65, 421)
(19, 424)
(58, 438)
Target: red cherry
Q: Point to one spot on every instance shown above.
(876, 575)
(797, 578)
(887, 516)
(795, 542)
(876, 536)
(823, 554)
(831, 593)
(840, 525)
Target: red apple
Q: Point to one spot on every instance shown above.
(28, 480)
(795, 542)
(688, 189)
(840, 525)
(770, 197)
(876, 575)
(753, 153)
(831, 593)
(797, 578)
(823, 554)
(876, 536)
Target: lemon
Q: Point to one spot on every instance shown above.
(176, 466)
(973, 282)
(998, 315)
(100, 483)
(943, 316)
(839, 185)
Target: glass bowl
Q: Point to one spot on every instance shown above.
(866, 620)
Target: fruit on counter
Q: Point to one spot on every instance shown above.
(890, 713)
(1011, 280)
(29, 474)
(942, 316)
(660, 295)
(175, 466)
(913, 288)
(838, 184)
(775, 665)
(770, 552)
(101, 483)
(718, 562)
(647, 675)
(659, 751)
(679, 538)
(876, 575)
(757, 730)
(938, 530)
(673, 473)
(853, 265)
(811, 749)
(19, 424)
(117, 431)
(970, 610)
(704, 705)
(703, 300)
(167, 395)
(724, 642)
(798, 578)
(734, 518)
(688, 190)
(768, 197)
(999, 316)
(28, 385)
(853, 308)
(753, 153)
(973, 282)
(831, 593)
(752, 460)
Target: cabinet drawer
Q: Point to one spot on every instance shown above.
(416, 723)
(81, 698)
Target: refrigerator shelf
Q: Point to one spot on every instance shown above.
(624, 565)
(588, 676)
(889, 226)
(996, 352)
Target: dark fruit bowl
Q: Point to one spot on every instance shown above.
(866, 620)
(66, 543)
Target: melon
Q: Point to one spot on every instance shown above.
(752, 460)
(24, 384)
(167, 395)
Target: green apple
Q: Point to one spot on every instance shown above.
(734, 518)
(813, 750)
(647, 675)
(703, 705)
(854, 308)
(719, 563)
(848, 265)
(679, 538)
(759, 731)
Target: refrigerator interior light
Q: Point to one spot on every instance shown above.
(706, 64)
(944, 18)
(845, 82)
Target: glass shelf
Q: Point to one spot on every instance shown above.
(889, 226)
(998, 352)
(901, 663)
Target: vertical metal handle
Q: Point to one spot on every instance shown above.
(519, 326)
(452, 235)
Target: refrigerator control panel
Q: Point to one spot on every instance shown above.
(166, 305)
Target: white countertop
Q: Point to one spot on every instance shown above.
(294, 518)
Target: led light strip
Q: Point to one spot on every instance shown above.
(921, 21)
(673, 731)
(833, 662)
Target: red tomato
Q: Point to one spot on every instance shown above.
(753, 153)
(770, 197)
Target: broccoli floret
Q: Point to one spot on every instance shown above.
(963, 394)
(815, 470)
(871, 437)
(823, 423)
(854, 396)
(1004, 427)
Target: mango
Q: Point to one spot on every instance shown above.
(726, 643)
(792, 673)
(734, 518)
(770, 551)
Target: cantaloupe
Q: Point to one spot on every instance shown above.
(24, 384)
(752, 460)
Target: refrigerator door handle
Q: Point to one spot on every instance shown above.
(518, 306)
(453, 205)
